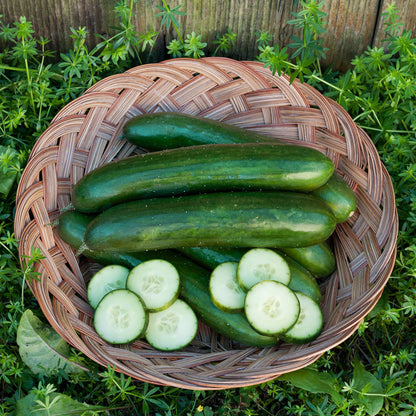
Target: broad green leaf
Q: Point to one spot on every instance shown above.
(313, 381)
(54, 404)
(41, 348)
(372, 393)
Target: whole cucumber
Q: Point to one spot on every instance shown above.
(168, 130)
(339, 196)
(71, 228)
(205, 168)
(244, 219)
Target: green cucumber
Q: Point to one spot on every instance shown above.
(71, 226)
(339, 196)
(194, 282)
(248, 219)
(168, 130)
(319, 258)
(205, 168)
(210, 257)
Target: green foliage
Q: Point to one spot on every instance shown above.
(370, 373)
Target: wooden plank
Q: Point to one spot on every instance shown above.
(350, 29)
(352, 25)
(406, 10)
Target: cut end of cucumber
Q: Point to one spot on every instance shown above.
(309, 323)
(261, 264)
(226, 293)
(271, 307)
(120, 317)
(173, 328)
(106, 280)
(157, 283)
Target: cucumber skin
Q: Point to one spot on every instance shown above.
(301, 279)
(71, 228)
(194, 282)
(339, 196)
(245, 219)
(319, 259)
(168, 130)
(205, 168)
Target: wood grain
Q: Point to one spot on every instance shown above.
(351, 27)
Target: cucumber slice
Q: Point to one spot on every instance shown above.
(271, 307)
(173, 328)
(106, 280)
(260, 264)
(224, 289)
(156, 282)
(120, 317)
(309, 323)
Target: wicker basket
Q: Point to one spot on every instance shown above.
(85, 134)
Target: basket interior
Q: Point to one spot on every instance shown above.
(86, 134)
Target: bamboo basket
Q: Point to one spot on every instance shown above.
(86, 134)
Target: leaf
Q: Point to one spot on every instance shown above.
(313, 381)
(372, 393)
(41, 348)
(7, 177)
(57, 405)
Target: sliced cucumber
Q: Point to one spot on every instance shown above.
(260, 264)
(173, 328)
(271, 307)
(309, 323)
(120, 317)
(156, 282)
(107, 279)
(224, 289)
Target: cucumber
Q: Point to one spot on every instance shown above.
(168, 130)
(260, 264)
(301, 279)
(173, 328)
(71, 228)
(194, 283)
(249, 219)
(319, 258)
(156, 282)
(224, 289)
(309, 323)
(339, 196)
(271, 307)
(107, 279)
(120, 317)
(195, 292)
(205, 168)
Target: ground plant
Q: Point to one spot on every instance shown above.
(371, 373)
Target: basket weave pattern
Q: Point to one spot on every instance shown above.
(86, 134)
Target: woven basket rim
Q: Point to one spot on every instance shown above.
(86, 133)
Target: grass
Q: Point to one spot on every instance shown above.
(370, 373)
